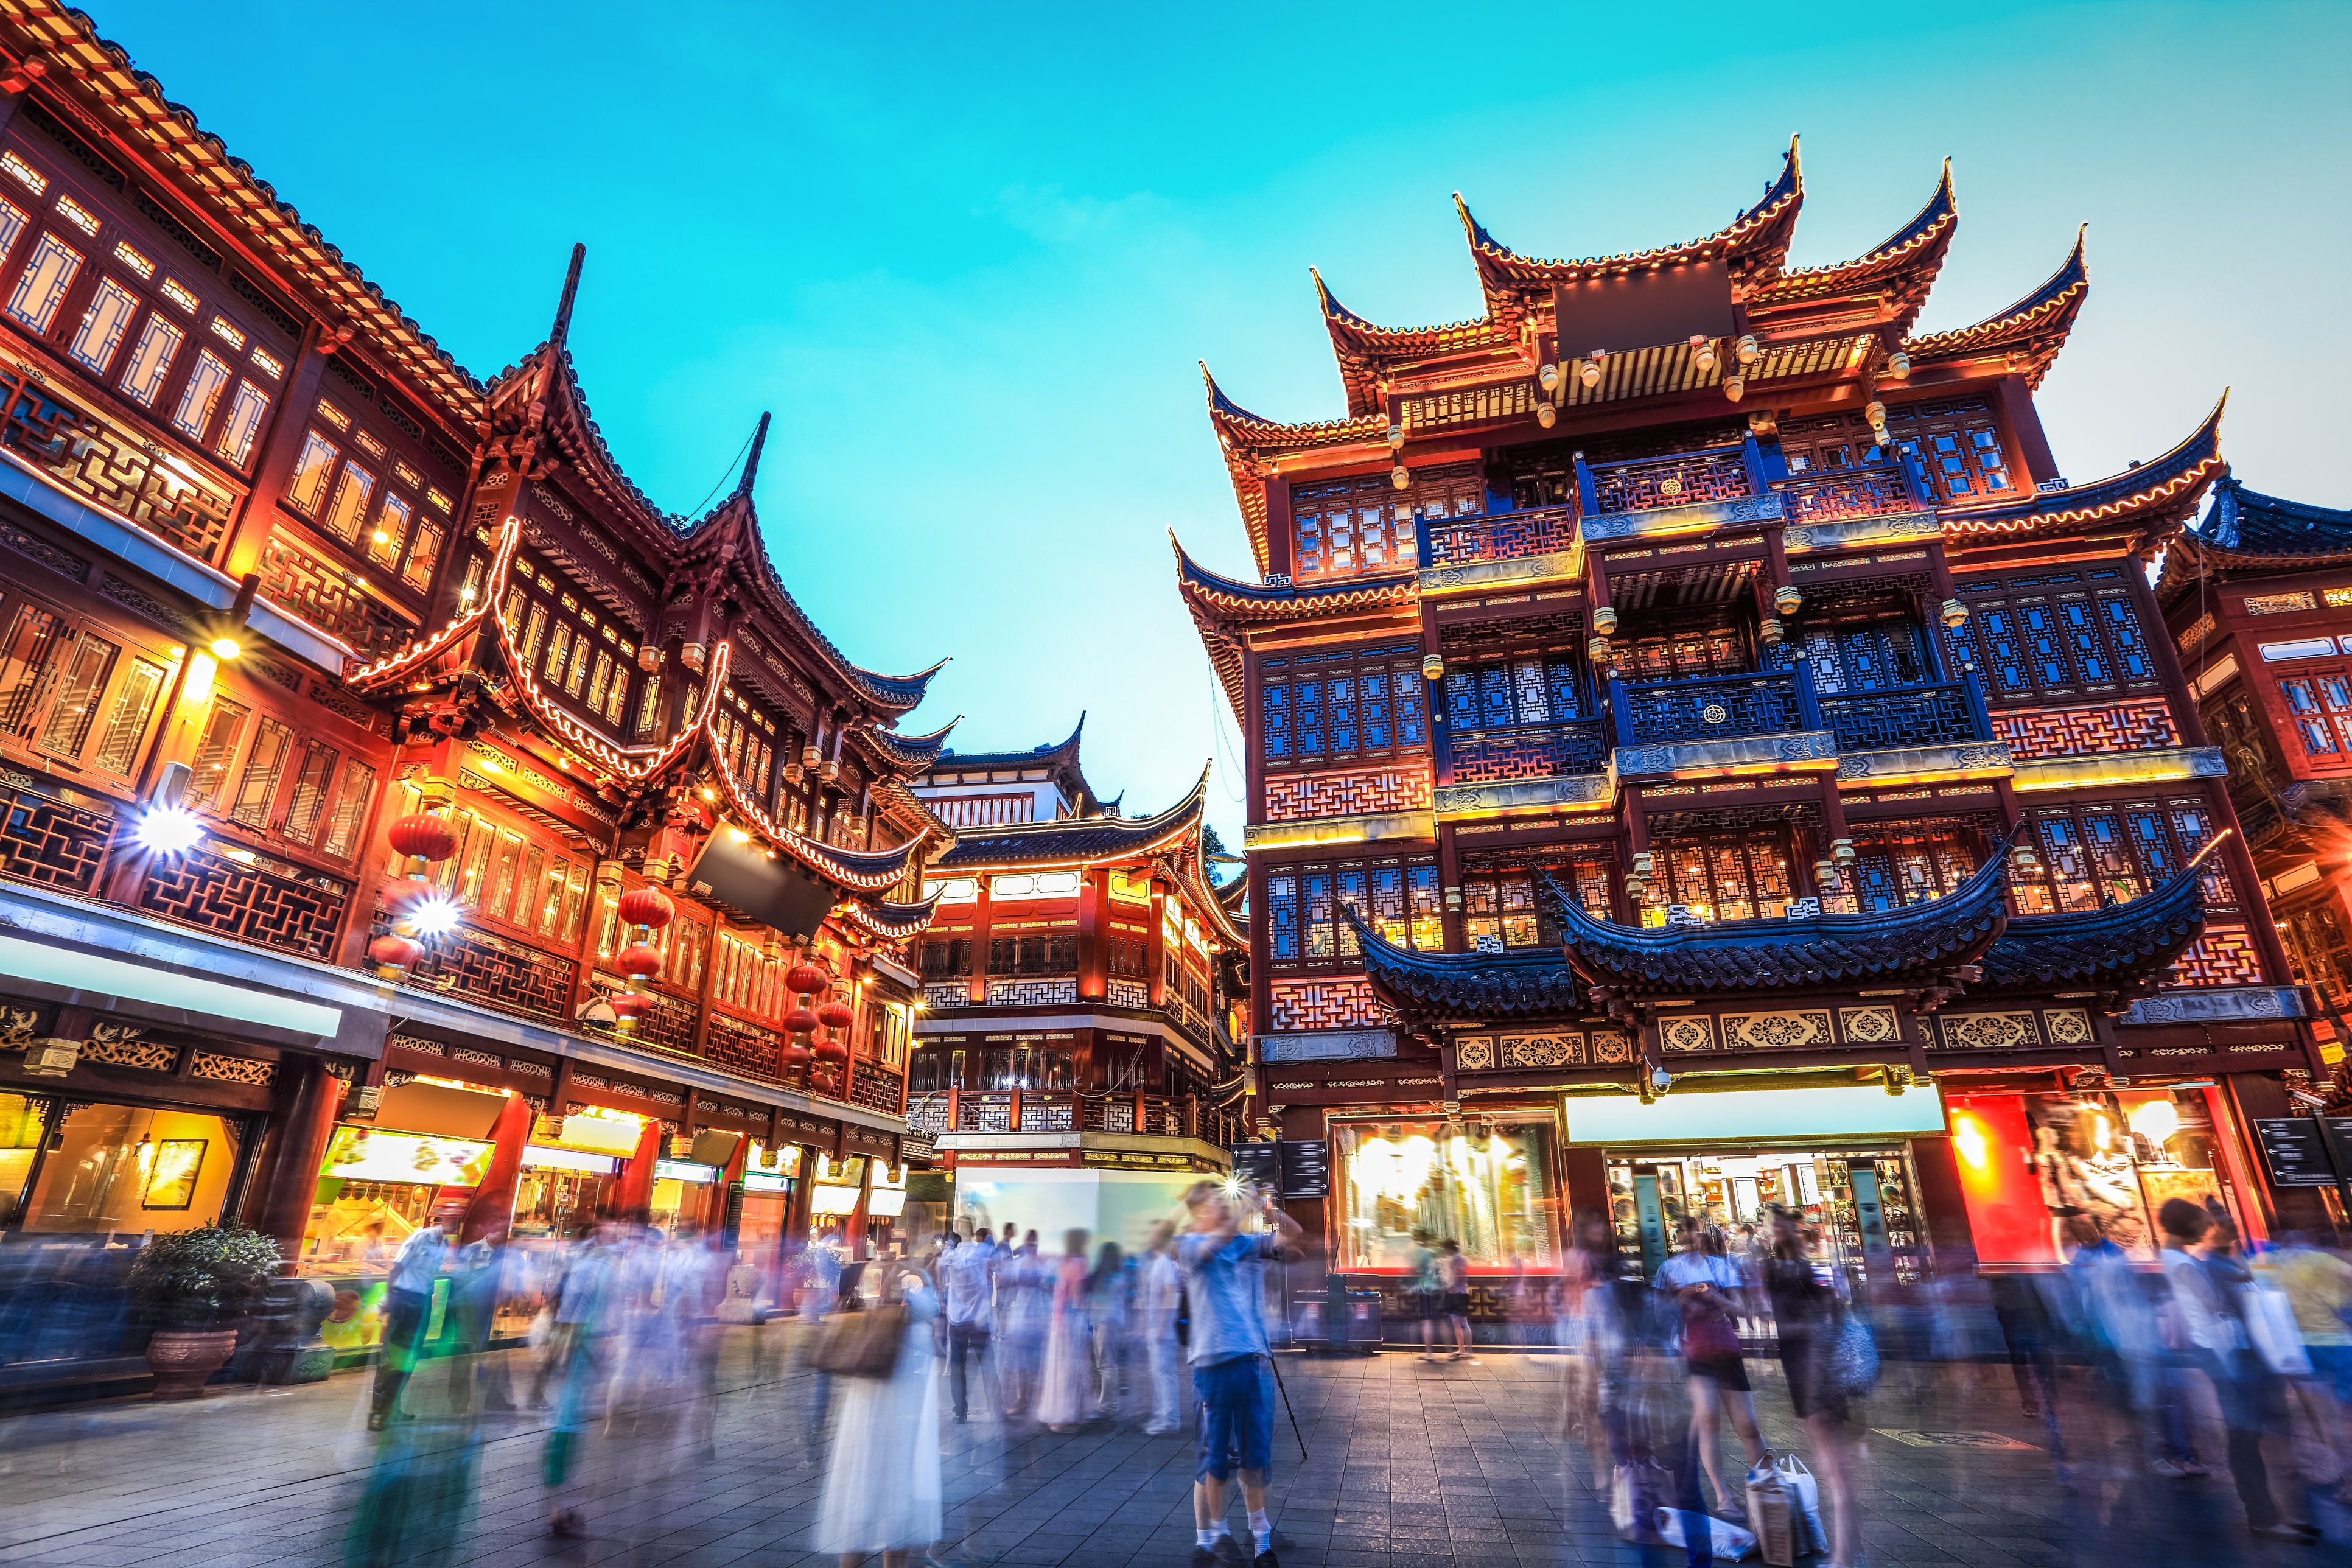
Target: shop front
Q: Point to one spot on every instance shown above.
(1841, 1155)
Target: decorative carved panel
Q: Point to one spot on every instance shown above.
(747, 1048)
(1869, 1026)
(45, 840)
(1032, 993)
(148, 1055)
(266, 901)
(2136, 726)
(1790, 1029)
(2224, 955)
(491, 969)
(1340, 1003)
(2067, 1026)
(1989, 1031)
(1362, 792)
(1685, 1032)
(322, 595)
(1128, 993)
(233, 1070)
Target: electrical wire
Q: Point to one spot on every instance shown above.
(732, 464)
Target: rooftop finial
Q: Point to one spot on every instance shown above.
(571, 292)
(751, 463)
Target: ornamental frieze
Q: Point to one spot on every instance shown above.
(1684, 518)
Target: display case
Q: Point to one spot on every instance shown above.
(1484, 1183)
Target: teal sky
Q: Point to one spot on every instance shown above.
(969, 256)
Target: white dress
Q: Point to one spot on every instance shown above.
(882, 1491)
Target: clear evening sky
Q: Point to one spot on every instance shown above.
(969, 254)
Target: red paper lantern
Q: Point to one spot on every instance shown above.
(805, 978)
(391, 951)
(830, 1051)
(648, 907)
(796, 1052)
(421, 836)
(800, 1021)
(628, 1006)
(639, 960)
(834, 1014)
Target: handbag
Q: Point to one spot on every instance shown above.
(862, 1345)
(1708, 1333)
(1635, 1497)
(1852, 1367)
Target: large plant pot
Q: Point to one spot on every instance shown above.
(183, 1361)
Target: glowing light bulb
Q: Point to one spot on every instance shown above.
(226, 648)
(169, 830)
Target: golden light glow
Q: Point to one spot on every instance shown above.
(199, 687)
(1970, 1141)
(226, 648)
(737, 836)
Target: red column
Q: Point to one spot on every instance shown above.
(714, 1202)
(491, 1209)
(634, 1191)
(299, 1132)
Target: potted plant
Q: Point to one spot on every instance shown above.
(194, 1286)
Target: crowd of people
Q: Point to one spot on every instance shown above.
(2122, 1359)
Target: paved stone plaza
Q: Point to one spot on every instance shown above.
(1411, 1465)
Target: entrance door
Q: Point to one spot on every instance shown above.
(1654, 1224)
(1870, 1218)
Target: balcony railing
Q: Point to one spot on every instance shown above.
(1527, 751)
(1059, 1110)
(1682, 479)
(497, 971)
(1712, 707)
(1877, 492)
(1940, 714)
(114, 467)
(1505, 536)
(52, 834)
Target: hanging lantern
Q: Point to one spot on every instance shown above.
(800, 1021)
(1787, 599)
(1396, 438)
(1769, 630)
(394, 952)
(1898, 365)
(646, 907)
(1876, 411)
(1954, 614)
(796, 1052)
(1547, 377)
(421, 836)
(1702, 353)
(2023, 860)
(628, 1006)
(1825, 876)
(834, 1014)
(829, 1051)
(1747, 349)
(1547, 415)
(1604, 620)
(804, 978)
(639, 960)
(1735, 387)
(1400, 477)
(1597, 649)
(1589, 371)
(1842, 851)
(1432, 666)
(1642, 863)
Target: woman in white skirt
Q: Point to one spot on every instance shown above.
(1066, 1397)
(882, 1489)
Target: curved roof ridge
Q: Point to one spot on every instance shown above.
(1515, 983)
(1764, 227)
(1243, 431)
(2171, 481)
(1904, 266)
(2037, 323)
(1194, 580)
(1091, 838)
(2128, 941)
(1941, 212)
(913, 754)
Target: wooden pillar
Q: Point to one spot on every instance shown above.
(1449, 881)
(305, 1099)
(2161, 648)
(281, 439)
(1155, 946)
(1093, 899)
(984, 917)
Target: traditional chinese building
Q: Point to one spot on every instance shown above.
(2258, 598)
(400, 803)
(1074, 1060)
(1705, 753)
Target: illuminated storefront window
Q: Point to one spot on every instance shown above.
(1487, 1185)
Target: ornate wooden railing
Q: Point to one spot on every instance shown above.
(115, 467)
(1505, 536)
(1875, 491)
(250, 896)
(1682, 478)
(53, 835)
(1059, 1110)
(497, 971)
(1940, 714)
(1712, 707)
(1527, 751)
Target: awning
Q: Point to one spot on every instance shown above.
(166, 996)
(1730, 1116)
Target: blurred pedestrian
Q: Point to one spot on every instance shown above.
(1706, 1289)
(1158, 1293)
(1454, 1279)
(1025, 1291)
(970, 1287)
(1231, 1364)
(2319, 1285)
(1066, 1396)
(2207, 1287)
(1807, 1310)
(882, 1486)
(407, 1311)
(1110, 1296)
(587, 1310)
(1425, 1280)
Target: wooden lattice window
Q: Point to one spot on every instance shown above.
(1719, 877)
(74, 692)
(1348, 527)
(1316, 708)
(1536, 688)
(2317, 946)
(2319, 703)
(1502, 905)
(1691, 651)
(577, 653)
(1829, 445)
(507, 869)
(2063, 634)
(746, 732)
(1399, 898)
(1958, 442)
(2096, 855)
(1899, 864)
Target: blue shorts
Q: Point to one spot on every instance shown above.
(2331, 1366)
(1236, 1415)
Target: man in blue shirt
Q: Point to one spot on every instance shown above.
(1231, 1363)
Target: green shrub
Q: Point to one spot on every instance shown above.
(202, 1279)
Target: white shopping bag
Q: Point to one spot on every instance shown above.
(1805, 1503)
(2269, 1323)
(1726, 1538)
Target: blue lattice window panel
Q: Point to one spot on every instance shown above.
(1347, 704)
(2063, 632)
(1551, 751)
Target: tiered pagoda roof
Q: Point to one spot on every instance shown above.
(2245, 531)
(2123, 948)
(1534, 983)
(2154, 498)
(2027, 336)
(1222, 607)
(1058, 758)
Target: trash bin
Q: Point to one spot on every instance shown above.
(1352, 1317)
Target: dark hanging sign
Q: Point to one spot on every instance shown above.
(1305, 1168)
(772, 893)
(2296, 1153)
(1643, 309)
(1259, 1164)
